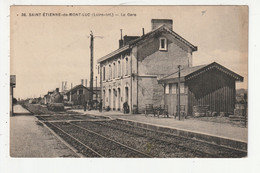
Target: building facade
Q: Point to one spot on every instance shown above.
(130, 74)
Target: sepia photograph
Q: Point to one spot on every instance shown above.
(129, 81)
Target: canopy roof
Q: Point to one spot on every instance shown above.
(191, 72)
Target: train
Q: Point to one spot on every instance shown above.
(54, 101)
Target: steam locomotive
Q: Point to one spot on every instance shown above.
(55, 101)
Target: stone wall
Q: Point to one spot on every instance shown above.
(152, 61)
(149, 92)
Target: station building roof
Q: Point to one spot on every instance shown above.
(143, 38)
(82, 86)
(191, 72)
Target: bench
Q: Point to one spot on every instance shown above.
(149, 110)
(162, 110)
(156, 111)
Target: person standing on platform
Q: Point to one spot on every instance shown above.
(126, 108)
(85, 106)
(100, 105)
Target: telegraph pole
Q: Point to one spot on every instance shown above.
(70, 91)
(179, 96)
(96, 88)
(91, 65)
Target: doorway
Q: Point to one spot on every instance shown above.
(119, 99)
(114, 99)
(126, 95)
(104, 98)
(109, 98)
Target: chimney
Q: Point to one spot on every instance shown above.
(62, 86)
(65, 85)
(143, 31)
(127, 39)
(82, 82)
(158, 22)
(121, 42)
(57, 89)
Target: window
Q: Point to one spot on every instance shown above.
(174, 88)
(107, 72)
(110, 72)
(114, 70)
(182, 88)
(170, 88)
(123, 67)
(119, 69)
(104, 73)
(80, 91)
(163, 44)
(167, 89)
(126, 66)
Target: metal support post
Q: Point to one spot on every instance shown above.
(179, 93)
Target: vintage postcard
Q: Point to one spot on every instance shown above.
(129, 81)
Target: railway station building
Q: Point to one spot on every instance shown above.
(134, 73)
(80, 94)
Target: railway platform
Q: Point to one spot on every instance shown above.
(28, 138)
(18, 109)
(215, 129)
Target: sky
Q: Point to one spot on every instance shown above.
(46, 50)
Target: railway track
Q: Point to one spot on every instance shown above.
(159, 147)
(113, 138)
(74, 142)
(67, 117)
(198, 146)
(105, 146)
(132, 151)
(92, 144)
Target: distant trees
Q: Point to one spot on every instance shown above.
(241, 96)
(14, 101)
